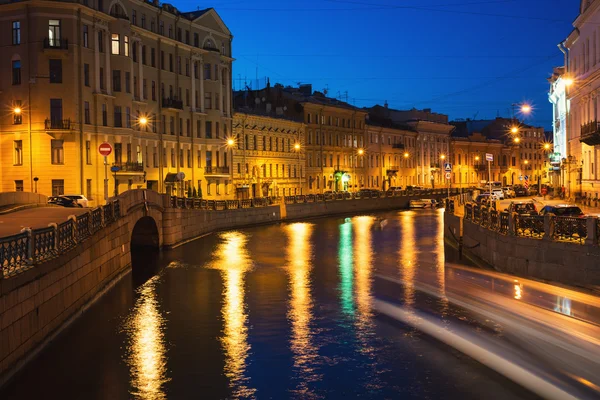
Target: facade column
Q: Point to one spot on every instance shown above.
(201, 85)
(193, 79)
(96, 59)
(220, 90)
(228, 91)
(107, 72)
(140, 71)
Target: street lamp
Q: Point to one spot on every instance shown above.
(297, 148)
(517, 140)
(525, 108)
(514, 129)
(17, 110)
(359, 152)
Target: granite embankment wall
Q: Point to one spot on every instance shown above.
(570, 263)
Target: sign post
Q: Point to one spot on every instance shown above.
(489, 158)
(448, 169)
(105, 149)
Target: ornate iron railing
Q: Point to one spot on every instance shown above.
(65, 238)
(96, 219)
(494, 220)
(14, 254)
(485, 217)
(469, 212)
(476, 213)
(531, 226)
(83, 226)
(504, 222)
(570, 228)
(107, 210)
(44, 244)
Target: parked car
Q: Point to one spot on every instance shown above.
(520, 191)
(395, 189)
(63, 201)
(524, 207)
(79, 198)
(498, 192)
(509, 192)
(563, 210)
(485, 198)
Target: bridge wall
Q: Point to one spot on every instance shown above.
(35, 304)
(564, 262)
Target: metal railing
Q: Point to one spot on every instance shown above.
(58, 124)
(570, 228)
(172, 103)
(504, 222)
(494, 220)
(56, 43)
(531, 226)
(211, 170)
(130, 166)
(21, 251)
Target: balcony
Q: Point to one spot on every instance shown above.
(480, 167)
(398, 146)
(172, 103)
(434, 166)
(216, 171)
(60, 44)
(590, 133)
(57, 124)
(130, 167)
(392, 168)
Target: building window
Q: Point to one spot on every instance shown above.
(88, 191)
(104, 115)
(118, 153)
(172, 125)
(133, 17)
(16, 72)
(126, 46)
(18, 156)
(208, 100)
(118, 120)
(88, 152)
(179, 34)
(153, 91)
(171, 31)
(19, 185)
(86, 112)
(115, 43)
(128, 117)
(54, 33)
(170, 62)
(102, 85)
(134, 53)
(58, 187)
(58, 155)
(86, 74)
(18, 117)
(216, 101)
(208, 130)
(128, 82)
(116, 80)
(144, 21)
(153, 57)
(143, 55)
(86, 40)
(206, 71)
(144, 89)
(16, 32)
(172, 157)
(55, 70)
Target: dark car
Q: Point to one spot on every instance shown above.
(562, 210)
(63, 201)
(520, 191)
(523, 208)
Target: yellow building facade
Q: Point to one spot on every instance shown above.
(269, 156)
(153, 82)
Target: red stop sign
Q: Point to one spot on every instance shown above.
(105, 149)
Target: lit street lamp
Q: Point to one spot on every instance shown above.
(297, 148)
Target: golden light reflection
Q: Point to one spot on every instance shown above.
(299, 266)
(440, 266)
(363, 270)
(518, 290)
(408, 255)
(232, 259)
(147, 353)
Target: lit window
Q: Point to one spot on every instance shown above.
(125, 45)
(115, 43)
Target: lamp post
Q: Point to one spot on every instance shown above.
(230, 143)
(360, 153)
(297, 148)
(406, 155)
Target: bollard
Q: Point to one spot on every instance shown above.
(592, 232)
(548, 227)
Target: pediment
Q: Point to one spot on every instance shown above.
(213, 21)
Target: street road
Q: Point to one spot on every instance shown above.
(12, 223)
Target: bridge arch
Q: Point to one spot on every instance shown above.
(145, 234)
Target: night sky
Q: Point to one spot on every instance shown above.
(464, 58)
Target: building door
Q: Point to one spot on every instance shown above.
(58, 187)
(56, 115)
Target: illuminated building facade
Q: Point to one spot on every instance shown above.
(150, 80)
(269, 156)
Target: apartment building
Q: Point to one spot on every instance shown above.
(269, 155)
(151, 81)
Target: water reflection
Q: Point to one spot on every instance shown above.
(299, 253)
(232, 259)
(408, 256)
(363, 267)
(440, 265)
(146, 353)
(346, 271)
(563, 306)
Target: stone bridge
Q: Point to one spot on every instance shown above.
(49, 276)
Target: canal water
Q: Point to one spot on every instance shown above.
(272, 312)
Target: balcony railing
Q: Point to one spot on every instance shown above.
(398, 146)
(130, 166)
(59, 124)
(393, 168)
(210, 170)
(480, 167)
(590, 133)
(172, 103)
(54, 43)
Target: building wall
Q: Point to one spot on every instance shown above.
(333, 137)
(390, 157)
(88, 64)
(265, 159)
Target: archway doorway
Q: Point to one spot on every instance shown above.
(145, 250)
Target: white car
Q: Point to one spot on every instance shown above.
(79, 198)
(498, 193)
(508, 192)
